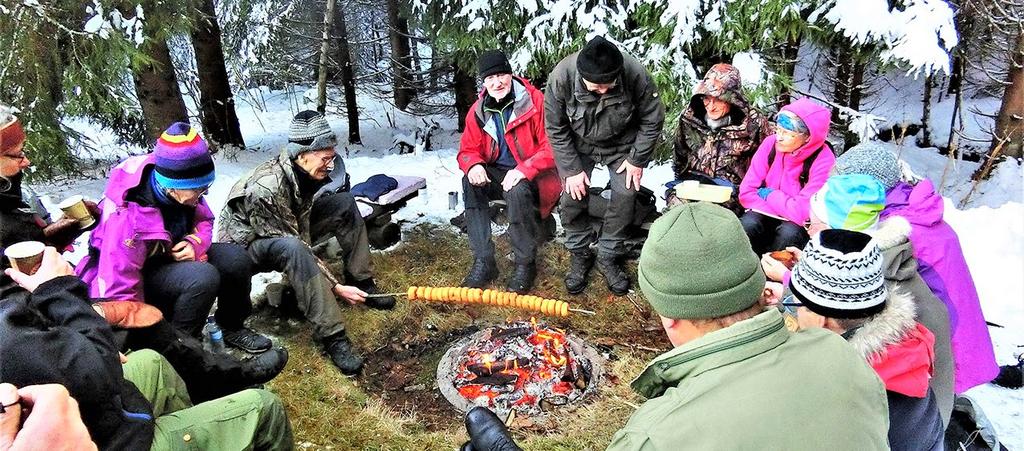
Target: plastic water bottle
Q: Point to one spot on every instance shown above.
(214, 336)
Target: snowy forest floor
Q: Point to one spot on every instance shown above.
(394, 405)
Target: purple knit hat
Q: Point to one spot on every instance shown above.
(183, 160)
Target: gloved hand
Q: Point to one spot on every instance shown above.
(128, 314)
(94, 211)
(764, 192)
(487, 432)
(62, 232)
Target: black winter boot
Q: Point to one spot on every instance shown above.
(376, 303)
(614, 274)
(578, 276)
(522, 279)
(487, 432)
(483, 271)
(339, 349)
(262, 368)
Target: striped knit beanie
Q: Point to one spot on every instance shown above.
(183, 160)
(871, 158)
(309, 131)
(851, 202)
(839, 275)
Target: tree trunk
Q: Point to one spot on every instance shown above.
(465, 94)
(926, 113)
(790, 53)
(156, 85)
(348, 81)
(401, 63)
(1010, 121)
(325, 47)
(220, 121)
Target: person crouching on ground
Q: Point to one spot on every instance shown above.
(840, 284)
(275, 213)
(505, 154)
(717, 389)
(786, 170)
(154, 242)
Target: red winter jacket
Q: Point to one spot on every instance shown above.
(526, 139)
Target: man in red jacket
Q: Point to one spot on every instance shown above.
(505, 155)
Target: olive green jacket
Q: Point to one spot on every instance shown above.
(756, 386)
(625, 121)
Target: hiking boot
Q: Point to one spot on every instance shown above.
(247, 340)
(579, 271)
(339, 349)
(522, 279)
(483, 271)
(376, 303)
(264, 367)
(614, 274)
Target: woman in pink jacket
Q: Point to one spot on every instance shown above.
(787, 169)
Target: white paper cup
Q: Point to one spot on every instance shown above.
(26, 256)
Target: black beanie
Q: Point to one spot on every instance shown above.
(600, 61)
(493, 62)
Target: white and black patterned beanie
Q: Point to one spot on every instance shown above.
(309, 131)
(839, 275)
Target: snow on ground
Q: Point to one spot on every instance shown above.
(991, 225)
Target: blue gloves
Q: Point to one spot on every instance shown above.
(764, 192)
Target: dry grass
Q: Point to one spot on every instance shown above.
(330, 411)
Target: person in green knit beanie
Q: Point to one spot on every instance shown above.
(735, 369)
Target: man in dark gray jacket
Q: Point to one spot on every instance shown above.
(601, 107)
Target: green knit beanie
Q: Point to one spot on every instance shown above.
(697, 263)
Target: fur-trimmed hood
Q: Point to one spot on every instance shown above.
(893, 238)
(898, 348)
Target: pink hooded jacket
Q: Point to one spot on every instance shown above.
(788, 199)
(129, 233)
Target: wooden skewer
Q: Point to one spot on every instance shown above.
(585, 312)
(384, 295)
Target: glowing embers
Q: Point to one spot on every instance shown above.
(519, 365)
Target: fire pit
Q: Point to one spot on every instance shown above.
(521, 366)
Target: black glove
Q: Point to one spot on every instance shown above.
(487, 432)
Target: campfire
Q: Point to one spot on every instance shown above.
(521, 366)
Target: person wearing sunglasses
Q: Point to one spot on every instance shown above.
(154, 242)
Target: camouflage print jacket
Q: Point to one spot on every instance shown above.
(725, 152)
(266, 204)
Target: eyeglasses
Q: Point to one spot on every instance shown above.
(782, 131)
(16, 157)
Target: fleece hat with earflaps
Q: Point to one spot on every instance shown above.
(697, 263)
(183, 159)
(840, 275)
(309, 131)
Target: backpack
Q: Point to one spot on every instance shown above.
(805, 173)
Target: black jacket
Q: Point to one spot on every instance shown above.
(54, 336)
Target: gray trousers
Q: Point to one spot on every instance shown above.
(576, 220)
(340, 240)
(523, 215)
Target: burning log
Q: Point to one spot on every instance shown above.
(488, 368)
(506, 333)
(497, 379)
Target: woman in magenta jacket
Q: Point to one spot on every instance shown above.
(787, 169)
